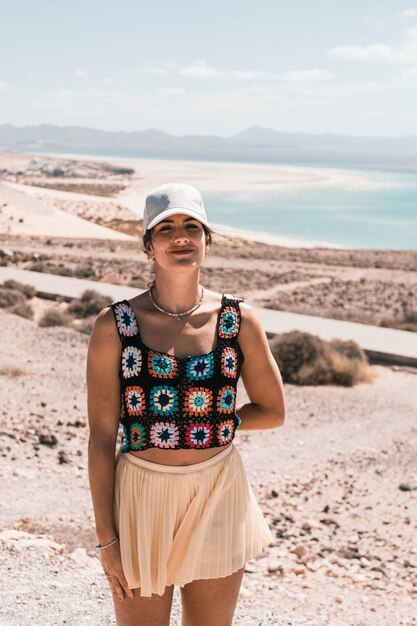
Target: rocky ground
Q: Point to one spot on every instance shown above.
(337, 485)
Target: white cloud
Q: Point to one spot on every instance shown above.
(409, 13)
(372, 52)
(5, 88)
(202, 71)
(404, 53)
(80, 73)
(308, 75)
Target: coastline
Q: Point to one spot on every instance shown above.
(239, 181)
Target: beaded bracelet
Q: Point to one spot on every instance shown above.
(100, 547)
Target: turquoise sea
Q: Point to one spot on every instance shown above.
(347, 207)
(384, 219)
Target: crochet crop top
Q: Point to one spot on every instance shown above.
(179, 402)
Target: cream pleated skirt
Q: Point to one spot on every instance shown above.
(181, 523)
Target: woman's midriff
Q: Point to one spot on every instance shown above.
(177, 457)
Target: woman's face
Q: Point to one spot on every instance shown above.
(178, 233)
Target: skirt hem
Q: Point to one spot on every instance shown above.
(182, 583)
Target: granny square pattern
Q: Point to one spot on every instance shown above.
(171, 402)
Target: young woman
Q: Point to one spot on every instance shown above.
(174, 506)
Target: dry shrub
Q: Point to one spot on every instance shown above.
(348, 348)
(28, 290)
(410, 317)
(64, 271)
(55, 317)
(24, 310)
(11, 297)
(301, 358)
(407, 322)
(306, 359)
(38, 266)
(348, 372)
(86, 270)
(90, 303)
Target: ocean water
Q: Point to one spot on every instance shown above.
(353, 208)
(384, 219)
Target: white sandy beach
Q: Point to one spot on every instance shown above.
(25, 214)
(238, 181)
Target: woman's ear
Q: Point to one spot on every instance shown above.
(208, 242)
(149, 251)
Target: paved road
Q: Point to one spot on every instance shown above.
(396, 346)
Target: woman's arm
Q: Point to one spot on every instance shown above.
(103, 405)
(260, 375)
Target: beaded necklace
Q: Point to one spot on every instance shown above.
(178, 316)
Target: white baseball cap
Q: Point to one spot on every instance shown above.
(170, 199)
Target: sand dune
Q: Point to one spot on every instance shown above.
(23, 214)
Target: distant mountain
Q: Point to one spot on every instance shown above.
(256, 144)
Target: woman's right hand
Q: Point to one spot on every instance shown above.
(111, 561)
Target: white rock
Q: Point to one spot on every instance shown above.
(80, 556)
(359, 578)
(313, 566)
(274, 566)
(245, 593)
(20, 540)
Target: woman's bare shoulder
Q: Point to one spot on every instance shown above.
(251, 327)
(105, 326)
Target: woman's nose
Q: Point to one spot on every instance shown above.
(181, 233)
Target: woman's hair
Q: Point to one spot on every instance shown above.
(147, 237)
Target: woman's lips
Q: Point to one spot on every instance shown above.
(186, 251)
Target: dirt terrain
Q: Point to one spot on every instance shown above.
(337, 484)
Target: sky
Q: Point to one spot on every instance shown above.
(211, 68)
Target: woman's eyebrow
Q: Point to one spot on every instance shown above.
(187, 219)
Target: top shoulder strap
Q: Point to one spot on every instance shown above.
(126, 322)
(230, 317)
(234, 300)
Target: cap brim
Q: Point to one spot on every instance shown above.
(174, 211)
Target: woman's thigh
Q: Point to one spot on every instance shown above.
(140, 611)
(211, 601)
